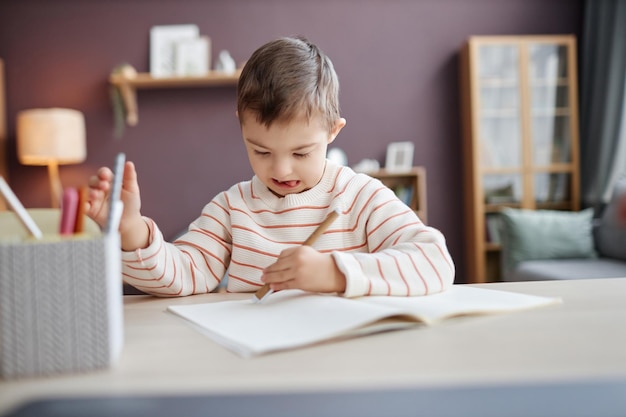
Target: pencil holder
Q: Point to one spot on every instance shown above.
(60, 300)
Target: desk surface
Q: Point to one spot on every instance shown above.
(581, 342)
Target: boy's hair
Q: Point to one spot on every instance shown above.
(288, 78)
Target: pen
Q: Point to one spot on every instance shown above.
(19, 209)
(115, 205)
(265, 291)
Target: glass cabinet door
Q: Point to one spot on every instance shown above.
(549, 104)
(550, 120)
(499, 106)
(500, 126)
(552, 188)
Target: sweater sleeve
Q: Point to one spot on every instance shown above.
(404, 257)
(195, 263)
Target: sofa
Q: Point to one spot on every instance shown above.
(542, 245)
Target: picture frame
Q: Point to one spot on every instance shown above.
(163, 41)
(399, 157)
(192, 57)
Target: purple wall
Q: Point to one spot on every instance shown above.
(396, 59)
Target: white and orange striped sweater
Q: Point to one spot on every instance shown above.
(377, 242)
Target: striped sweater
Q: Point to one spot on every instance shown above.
(377, 241)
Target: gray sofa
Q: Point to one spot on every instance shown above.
(550, 245)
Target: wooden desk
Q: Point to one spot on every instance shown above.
(570, 356)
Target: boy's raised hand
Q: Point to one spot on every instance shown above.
(133, 229)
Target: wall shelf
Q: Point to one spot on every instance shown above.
(128, 81)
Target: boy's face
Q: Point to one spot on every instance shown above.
(288, 157)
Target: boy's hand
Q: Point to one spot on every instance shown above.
(304, 268)
(133, 229)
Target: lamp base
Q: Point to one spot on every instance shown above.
(56, 189)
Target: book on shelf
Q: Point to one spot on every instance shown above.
(558, 187)
(404, 193)
(293, 318)
(493, 223)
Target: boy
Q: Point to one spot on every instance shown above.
(289, 113)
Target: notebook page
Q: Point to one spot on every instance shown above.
(294, 318)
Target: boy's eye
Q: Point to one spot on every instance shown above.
(301, 155)
(261, 153)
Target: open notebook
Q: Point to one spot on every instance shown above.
(293, 318)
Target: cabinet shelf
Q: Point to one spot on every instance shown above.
(551, 112)
(128, 81)
(492, 247)
(549, 82)
(492, 82)
(553, 168)
(500, 113)
(413, 182)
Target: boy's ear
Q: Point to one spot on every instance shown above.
(339, 124)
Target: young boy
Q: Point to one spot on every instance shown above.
(289, 113)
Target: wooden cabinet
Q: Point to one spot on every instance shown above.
(520, 135)
(3, 133)
(409, 186)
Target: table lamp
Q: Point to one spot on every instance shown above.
(51, 137)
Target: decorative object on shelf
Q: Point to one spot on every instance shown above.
(193, 57)
(51, 137)
(502, 194)
(163, 41)
(399, 157)
(404, 193)
(124, 107)
(367, 166)
(225, 63)
(338, 156)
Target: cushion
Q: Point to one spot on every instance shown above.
(545, 234)
(611, 233)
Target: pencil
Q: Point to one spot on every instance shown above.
(79, 225)
(265, 290)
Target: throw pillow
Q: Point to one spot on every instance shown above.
(611, 233)
(545, 234)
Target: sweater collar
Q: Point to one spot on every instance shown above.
(313, 196)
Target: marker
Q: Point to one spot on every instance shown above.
(69, 207)
(19, 209)
(265, 291)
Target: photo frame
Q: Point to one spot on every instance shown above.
(192, 57)
(399, 157)
(163, 41)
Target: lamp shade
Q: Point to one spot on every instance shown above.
(51, 135)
